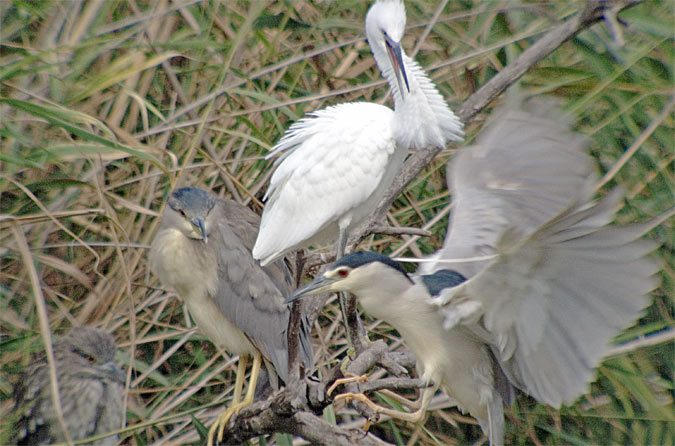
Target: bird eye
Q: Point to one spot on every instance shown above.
(181, 213)
(89, 357)
(343, 273)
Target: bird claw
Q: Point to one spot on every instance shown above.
(349, 378)
(347, 397)
(221, 422)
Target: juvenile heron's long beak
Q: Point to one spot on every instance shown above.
(113, 371)
(317, 286)
(396, 57)
(199, 223)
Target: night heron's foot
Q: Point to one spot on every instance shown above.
(349, 378)
(222, 421)
(407, 416)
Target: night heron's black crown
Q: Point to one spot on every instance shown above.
(360, 258)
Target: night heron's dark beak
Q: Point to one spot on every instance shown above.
(198, 222)
(396, 56)
(115, 373)
(317, 286)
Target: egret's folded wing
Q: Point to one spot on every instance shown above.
(525, 168)
(552, 302)
(333, 163)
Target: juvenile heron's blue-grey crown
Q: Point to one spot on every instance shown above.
(360, 258)
(192, 201)
(96, 343)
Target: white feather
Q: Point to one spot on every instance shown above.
(337, 163)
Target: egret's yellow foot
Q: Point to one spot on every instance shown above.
(349, 378)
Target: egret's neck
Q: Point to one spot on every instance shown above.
(422, 118)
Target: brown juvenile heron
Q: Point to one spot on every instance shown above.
(530, 286)
(203, 250)
(91, 391)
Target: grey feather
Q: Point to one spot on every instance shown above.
(223, 271)
(90, 390)
(561, 283)
(525, 168)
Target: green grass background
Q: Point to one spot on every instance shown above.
(105, 106)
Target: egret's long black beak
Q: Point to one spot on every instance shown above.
(199, 223)
(396, 57)
(317, 286)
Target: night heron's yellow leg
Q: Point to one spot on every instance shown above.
(237, 405)
(349, 378)
(401, 399)
(406, 416)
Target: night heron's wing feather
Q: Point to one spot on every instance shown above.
(245, 224)
(552, 302)
(525, 168)
(249, 295)
(335, 165)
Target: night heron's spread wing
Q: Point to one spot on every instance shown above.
(250, 296)
(525, 168)
(334, 170)
(550, 304)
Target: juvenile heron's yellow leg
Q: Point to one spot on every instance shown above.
(406, 416)
(239, 379)
(237, 405)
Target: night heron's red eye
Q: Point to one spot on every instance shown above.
(343, 273)
(181, 213)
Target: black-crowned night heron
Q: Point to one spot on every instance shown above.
(530, 286)
(203, 251)
(90, 386)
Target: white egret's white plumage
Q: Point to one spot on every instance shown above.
(540, 315)
(338, 162)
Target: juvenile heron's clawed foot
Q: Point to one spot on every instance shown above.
(222, 420)
(349, 378)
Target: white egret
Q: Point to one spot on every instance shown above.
(338, 162)
(538, 316)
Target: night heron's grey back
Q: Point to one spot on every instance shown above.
(91, 391)
(238, 304)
